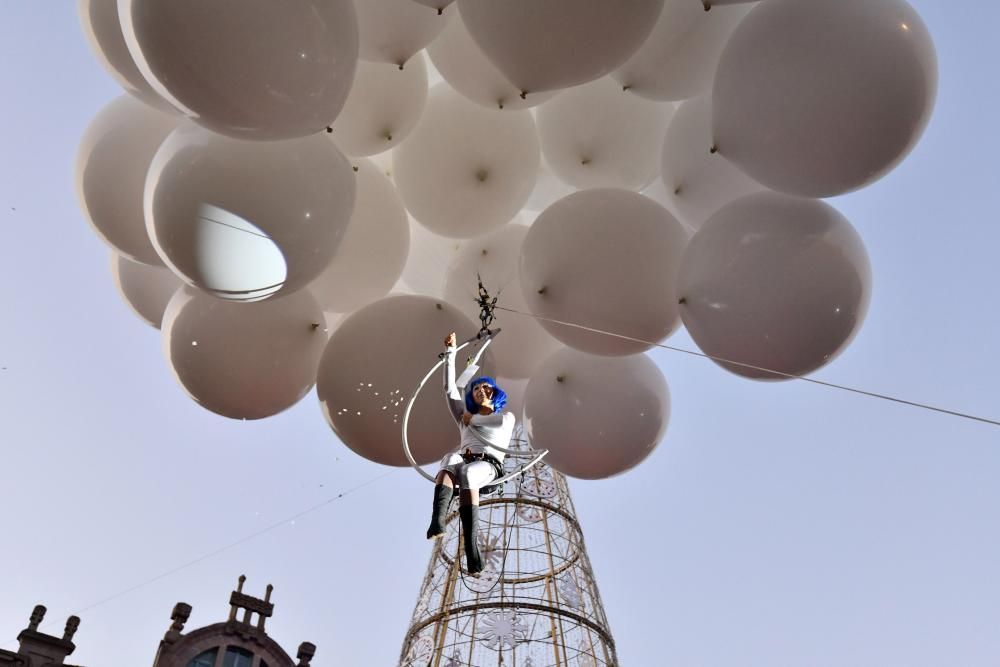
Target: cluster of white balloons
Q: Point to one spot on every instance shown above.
(304, 194)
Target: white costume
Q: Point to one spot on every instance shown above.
(477, 437)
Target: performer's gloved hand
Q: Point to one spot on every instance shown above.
(466, 418)
(451, 340)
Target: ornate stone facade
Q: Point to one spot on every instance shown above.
(237, 642)
(38, 649)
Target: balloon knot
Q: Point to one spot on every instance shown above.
(355, 168)
(439, 306)
(524, 94)
(678, 190)
(560, 378)
(482, 175)
(626, 88)
(315, 325)
(485, 251)
(440, 11)
(543, 290)
(585, 161)
(683, 300)
(707, 4)
(714, 149)
(329, 129)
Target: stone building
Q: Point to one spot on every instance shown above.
(38, 649)
(240, 641)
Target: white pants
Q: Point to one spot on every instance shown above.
(474, 475)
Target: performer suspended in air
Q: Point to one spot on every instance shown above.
(483, 426)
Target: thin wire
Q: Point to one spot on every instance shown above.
(216, 552)
(790, 376)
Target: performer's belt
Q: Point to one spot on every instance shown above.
(469, 457)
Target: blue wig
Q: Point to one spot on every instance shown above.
(499, 396)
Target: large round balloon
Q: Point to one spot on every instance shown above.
(678, 60)
(699, 182)
(774, 282)
(244, 361)
(841, 93)
(467, 69)
(383, 107)
(392, 31)
(604, 259)
(103, 30)
(371, 256)
(244, 219)
(549, 188)
(370, 369)
(514, 388)
(466, 169)
(254, 69)
(597, 416)
(435, 4)
(111, 165)
(597, 136)
(555, 44)
(146, 289)
(523, 343)
(429, 254)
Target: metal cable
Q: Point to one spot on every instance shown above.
(790, 376)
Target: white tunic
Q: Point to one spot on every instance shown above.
(482, 430)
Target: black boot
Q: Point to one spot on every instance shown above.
(470, 535)
(442, 499)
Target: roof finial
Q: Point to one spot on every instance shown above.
(72, 625)
(306, 652)
(37, 616)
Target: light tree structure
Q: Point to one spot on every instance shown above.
(535, 605)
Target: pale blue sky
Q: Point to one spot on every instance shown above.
(777, 524)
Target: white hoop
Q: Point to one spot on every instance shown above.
(510, 452)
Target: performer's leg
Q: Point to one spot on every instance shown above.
(443, 493)
(471, 477)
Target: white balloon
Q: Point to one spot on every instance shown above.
(429, 254)
(548, 189)
(244, 219)
(604, 259)
(658, 193)
(146, 289)
(555, 44)
(392, 31)
(371, 255)
(775, 282)
(436, 4)
(596, 136)
(111, 165)
(383, 162)
(699, 182)
(244, 361)
(223, 72)
(467, 69)
(523, 343)
(465, 169)
(515, 396)
(678, 60)
(383, 108)
(372, 366)
(597, 416)
(103, 30)
(839, 96)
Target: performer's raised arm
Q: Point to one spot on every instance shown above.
(456, 403)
